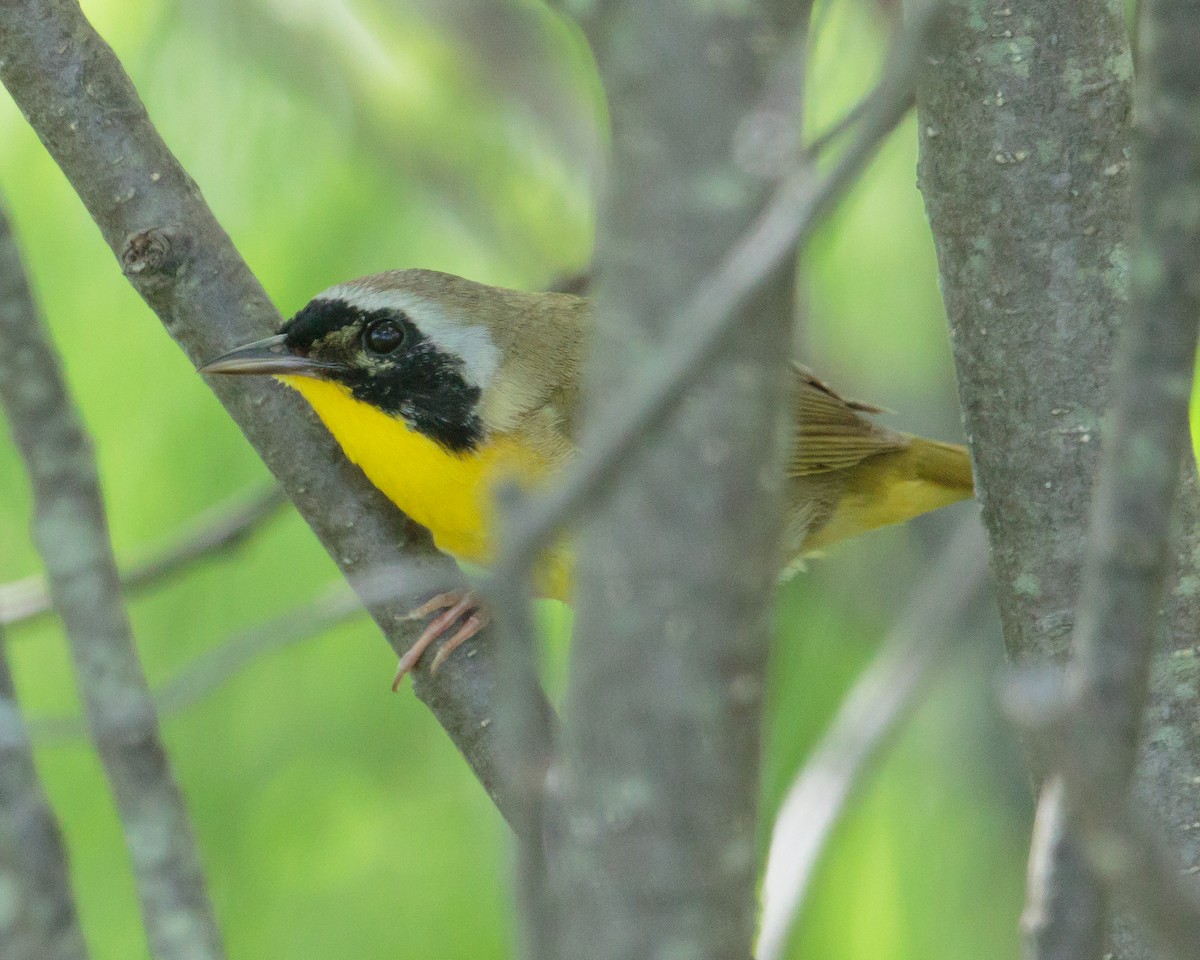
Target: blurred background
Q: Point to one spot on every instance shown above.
(335, 138)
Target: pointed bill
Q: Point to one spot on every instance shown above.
(267, 356)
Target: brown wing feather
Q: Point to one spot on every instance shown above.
(828, 432)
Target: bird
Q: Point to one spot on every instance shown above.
(439, 387)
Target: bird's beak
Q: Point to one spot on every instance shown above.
(269, 355)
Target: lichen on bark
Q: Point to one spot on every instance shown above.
(1025, 129)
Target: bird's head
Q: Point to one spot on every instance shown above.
(408, 343)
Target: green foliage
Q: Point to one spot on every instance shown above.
(334, 818)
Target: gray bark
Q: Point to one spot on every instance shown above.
(659, 770)
(1130, 550)
(38, 919)
(82, 106)
(1025, 146)
(70, 531)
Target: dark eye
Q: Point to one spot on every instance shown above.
(383, 336)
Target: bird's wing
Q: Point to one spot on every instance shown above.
(829, 431)
(537, 390)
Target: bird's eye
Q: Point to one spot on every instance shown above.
(384, 336)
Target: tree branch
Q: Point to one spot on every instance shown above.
(71, 534)
(710, 316)
(70, 86)
(1128, 554)
(1125, 850)
(870, 714)
(1024, 169)
(652, 846)
(1128, 551)
(222, 663)
(678, 276)
(223, 527)
(39, 921)
(218, 665)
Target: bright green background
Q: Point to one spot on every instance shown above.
(335, 819)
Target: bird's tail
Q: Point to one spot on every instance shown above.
(896, 486)
(947, 465)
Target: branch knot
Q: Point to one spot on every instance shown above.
(150, 252)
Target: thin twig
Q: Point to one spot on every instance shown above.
(335, 606)
(222, 527)
(709, 319)
(850, 119)
(1065, 913)
(212, 533)
(1126, 851)
(815, 147)
(216, 667)
(531, 738)
(71, 534)
(39, 921)
(870, 715)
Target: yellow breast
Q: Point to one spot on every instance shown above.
(448, 493)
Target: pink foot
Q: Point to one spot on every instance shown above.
(458, 605)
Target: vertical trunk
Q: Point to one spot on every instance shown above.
(1025, 146)
(659, 773)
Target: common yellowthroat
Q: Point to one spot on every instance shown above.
(437, 386)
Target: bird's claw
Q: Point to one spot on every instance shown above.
(456, 605)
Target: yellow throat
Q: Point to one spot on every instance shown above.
(447, 493)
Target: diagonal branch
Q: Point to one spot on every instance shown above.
(710, 315)
(222, 663)
(71, 534)
(76, 96)
(881, 698)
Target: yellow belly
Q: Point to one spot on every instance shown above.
(448, 493)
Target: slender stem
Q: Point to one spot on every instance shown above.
(71, 534)
(74, 93)
(710, 315)
(222, 663)
(871, 713)
(219, 529)
(40, 921)
(217, 666)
